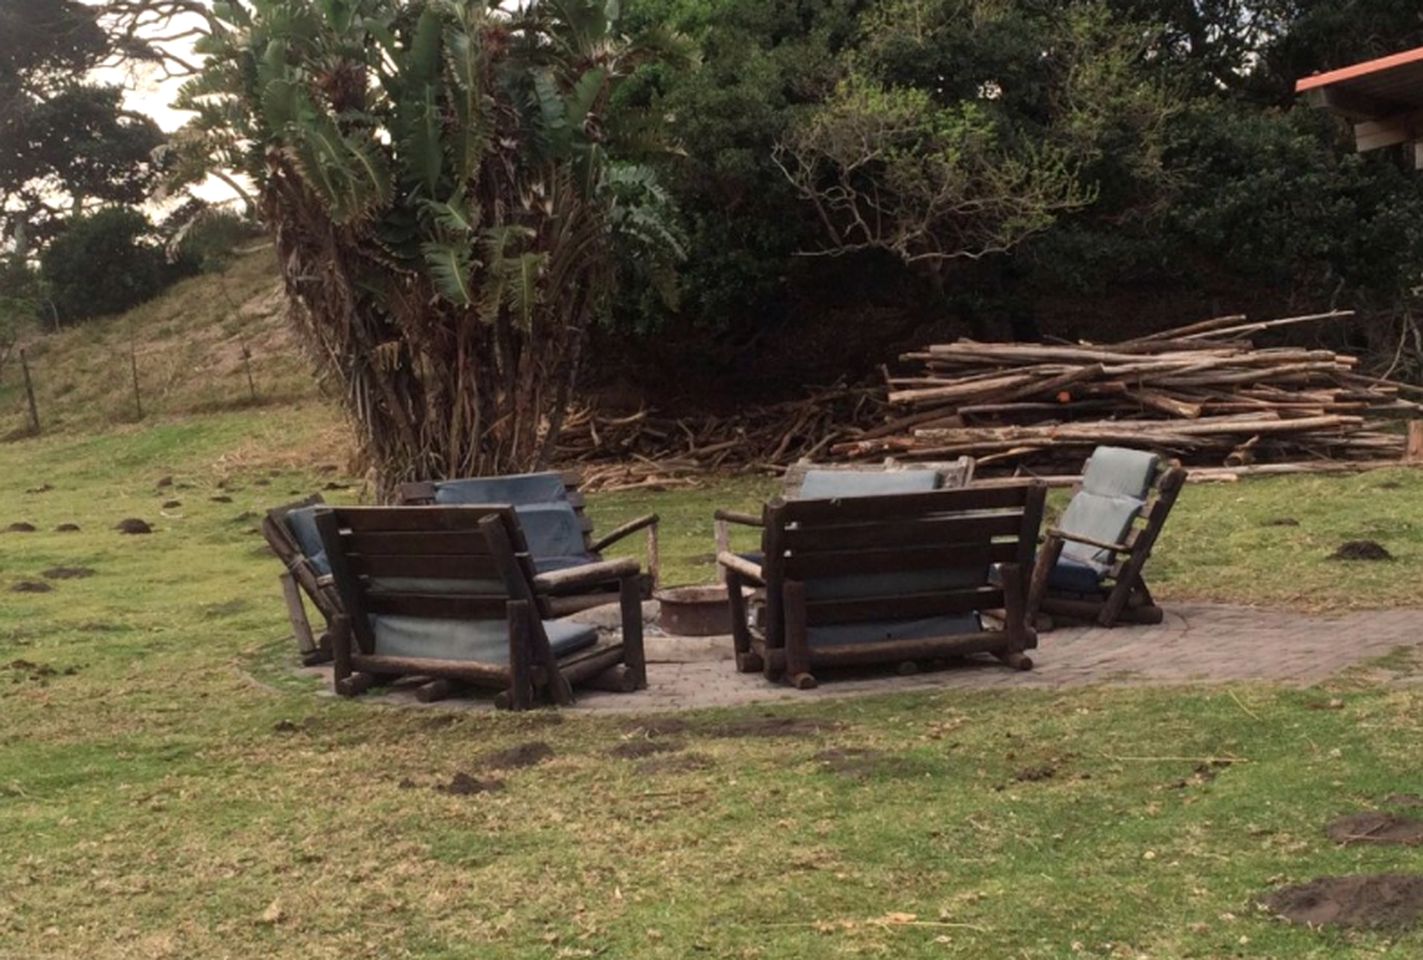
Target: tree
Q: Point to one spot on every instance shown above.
(103, 263)
(65, 145)
(438, 178)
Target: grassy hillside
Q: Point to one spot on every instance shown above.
(188, 344)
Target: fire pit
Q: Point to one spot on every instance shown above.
(696, 611)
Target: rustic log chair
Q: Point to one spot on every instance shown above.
(1090, 566)
(551, 513)
(290, 530)
(450, 594)
(882, 579)
(806, 480)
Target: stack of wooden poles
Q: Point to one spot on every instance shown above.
(1205, 393)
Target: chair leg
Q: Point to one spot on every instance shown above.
(1042, 569)
(520, 694)
(653, 556)
(747, 661)
(1016, 630)
(797, 642)
(301, 626)
(343, 680)
(634, 655)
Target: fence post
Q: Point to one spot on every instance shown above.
(247, 365)
(30, 394)
(133, 366)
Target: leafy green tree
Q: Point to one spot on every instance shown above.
(103, 263)
(440, 179)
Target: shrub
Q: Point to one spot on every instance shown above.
(104, 263)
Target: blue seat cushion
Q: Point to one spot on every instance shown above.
(838, 484)
(1104, 518)
(302, 524)
(881, 631)
(1074, 576)
(481, 641)
(515, 489)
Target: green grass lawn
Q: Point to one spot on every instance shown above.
(170, 788)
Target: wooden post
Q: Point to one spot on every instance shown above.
(247, 365)
(133, 366)
(1414, 451)
(30, 394)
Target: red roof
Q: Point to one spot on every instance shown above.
(1383, 86)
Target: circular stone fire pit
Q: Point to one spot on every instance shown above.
(696, 611)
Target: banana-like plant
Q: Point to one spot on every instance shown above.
(446, 186)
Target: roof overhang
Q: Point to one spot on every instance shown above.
(1383, 98)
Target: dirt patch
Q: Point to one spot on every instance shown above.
(681, 763)
(172, 504)
(163, 482)
(1389, 485)
(1282, 522)
(1377, 900)
(463, 785)
(31, 586)
(221, 498)
(20, 527)
(42, 488)
(67, 528)
(637, 749)
(67, 573)
(659, 727)
(227, 608)
(1035, 774)
(524, 755)
(333, 485)
(27, 669)
(1375, 827)
(773, 726)
(246, 516)
(1403, 800)
(134, 526)
(1361, 550)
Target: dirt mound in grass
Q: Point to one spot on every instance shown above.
(773, 726)
(67, 573)
(1361, 550)
(1376, 828)
(31, 586)
(637, 749)
(681, 763)
(524, 755)
(463, 785)
(20, 527)
(67, 528)
(1370, 901)
(133, 525)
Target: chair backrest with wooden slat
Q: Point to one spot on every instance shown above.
(524, 491)
(282, 537)
(436, 563)
(950, 475)
(901, 557)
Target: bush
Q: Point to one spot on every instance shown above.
(104, 263)
(204, 238)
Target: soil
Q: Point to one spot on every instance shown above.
(221, 498)
(1282, 522)
(637, 749)
(67, 573)
(31, 586)
(20, 527)
(42, 488)
(463, 785)
(1035, 774)
(524, 755)
(67, 528)
(164, 482)
(660, 727)
(133, 525)
(1376, 827)
(681, 763)
(1403, 800)
(1389, 485)
(774, 726)
(172, 504)
(1361, 550)
(1376, 900)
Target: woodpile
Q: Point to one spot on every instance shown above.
(1205, 393)
(647, 450)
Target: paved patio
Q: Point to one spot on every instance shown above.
(1198, 643)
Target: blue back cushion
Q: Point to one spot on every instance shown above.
(516, 489)
(838, 484)
(1119, 472)
(1115, 485)
(302, 524)
(552, 531)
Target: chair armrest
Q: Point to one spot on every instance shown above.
(733, 516)
(1079, 538)
(741, 565)
(588, 575)
(627, 529)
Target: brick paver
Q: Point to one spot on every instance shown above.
(1198, 643)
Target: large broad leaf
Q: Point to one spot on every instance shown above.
(469, 140)
(349, 174)
(421, 145)
(451, 265)
(585, 95)
(523, 287)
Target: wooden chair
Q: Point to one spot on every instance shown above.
(559, 531)
(450, 594)
(290, 530)
(853, 479)
(1090, 566)
(885, 579)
